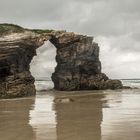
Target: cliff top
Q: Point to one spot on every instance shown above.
(10, 33)
(7, 29)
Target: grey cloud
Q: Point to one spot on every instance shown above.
(98, 17)
(118, 21)
(126, 43)
(136, 36)
(44, 63)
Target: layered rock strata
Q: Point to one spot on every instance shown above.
(78, 65)
(16, 53)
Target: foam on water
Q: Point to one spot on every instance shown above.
(131, 82)
(47, 84)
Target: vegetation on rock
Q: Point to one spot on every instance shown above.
(6, 29)
(41, 31)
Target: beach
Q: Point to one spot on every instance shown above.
(80, 115)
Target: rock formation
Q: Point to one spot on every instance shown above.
(78, 65)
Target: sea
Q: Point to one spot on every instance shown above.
(134, 83)
(74, 115)
(45, 83)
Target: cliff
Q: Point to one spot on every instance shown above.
(78, 66)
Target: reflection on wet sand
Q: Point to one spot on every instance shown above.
(121, 120)
(14, 120)
(79, 120)
(73, 116)
(43, 118)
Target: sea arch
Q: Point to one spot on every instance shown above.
(77, 56)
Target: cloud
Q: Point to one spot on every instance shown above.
(120, 56)
(114, 23)
(44, 63)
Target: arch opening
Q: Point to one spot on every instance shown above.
(43, 65)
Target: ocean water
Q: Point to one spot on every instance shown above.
(44, 85)
(80, 115)
(47, 84)
(131, 82)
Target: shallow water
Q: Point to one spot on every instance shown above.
(102, 115)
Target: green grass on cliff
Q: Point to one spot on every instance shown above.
(41, 31)
(9, 28)
(6, 29)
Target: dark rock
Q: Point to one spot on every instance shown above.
(127, 87)
(79, 67)
(16, 53)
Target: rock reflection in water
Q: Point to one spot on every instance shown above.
(81, 119)
(42, 117)
(14, 119)
(78, 116)
(77, 120)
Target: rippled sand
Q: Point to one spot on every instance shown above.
(51, 115)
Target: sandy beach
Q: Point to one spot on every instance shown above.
(86, 115)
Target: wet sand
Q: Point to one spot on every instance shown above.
(86, 115)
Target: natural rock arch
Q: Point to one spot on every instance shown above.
(78, 65)
(43, 65)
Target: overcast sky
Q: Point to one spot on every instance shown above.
(115, 24)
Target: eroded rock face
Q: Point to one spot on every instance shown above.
(78, 65)
(16, 53)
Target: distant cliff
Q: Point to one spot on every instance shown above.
(78, 66)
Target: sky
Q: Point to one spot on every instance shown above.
(115, 25)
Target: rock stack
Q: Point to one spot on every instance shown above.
(78, 64)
